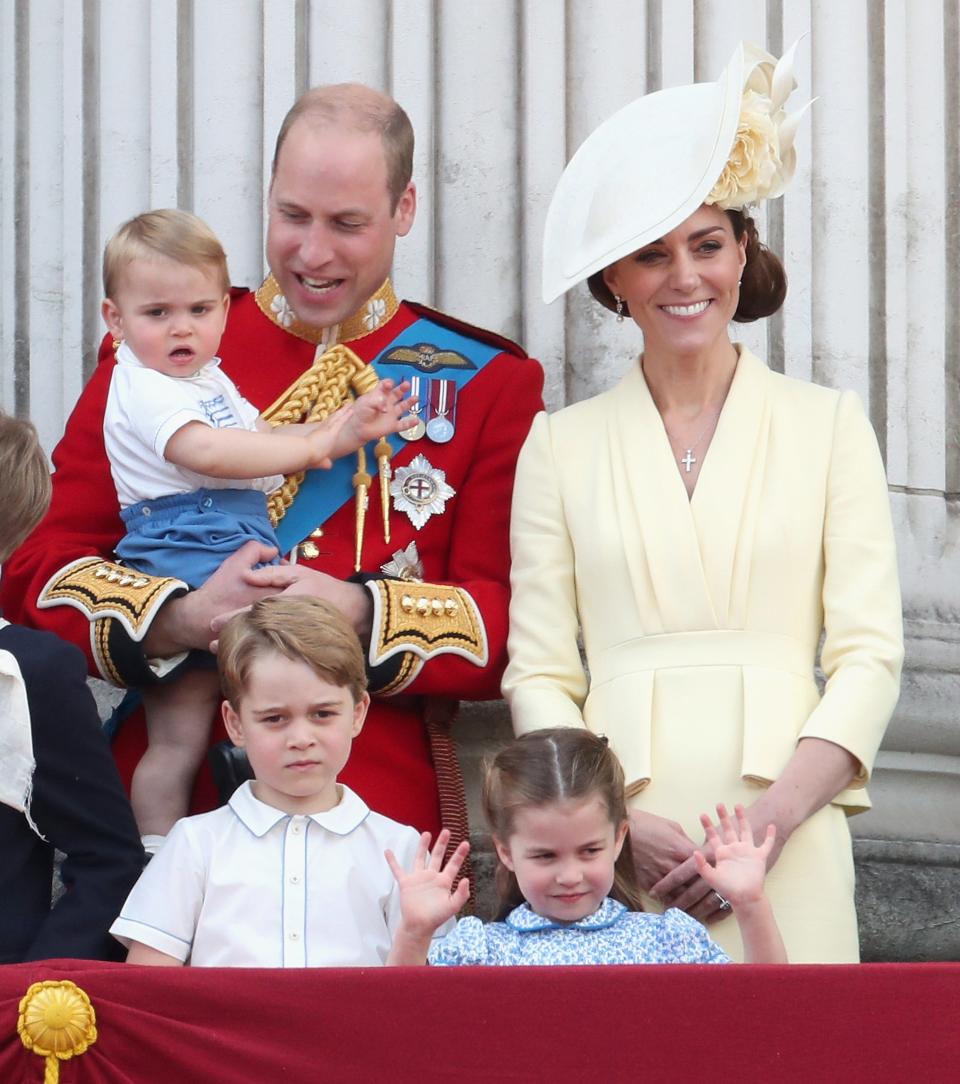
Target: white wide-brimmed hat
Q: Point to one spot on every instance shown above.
(654, 162)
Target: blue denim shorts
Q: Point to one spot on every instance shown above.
(189, 535)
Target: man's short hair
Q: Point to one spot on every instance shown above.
(360, 109)
(174, 234)
(24, 482)
(305, 629)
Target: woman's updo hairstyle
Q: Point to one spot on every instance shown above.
(763, 285)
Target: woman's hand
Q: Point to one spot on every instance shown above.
(739, 863)
(659, 846)
(427, 896)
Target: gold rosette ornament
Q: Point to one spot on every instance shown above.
(56, 1022)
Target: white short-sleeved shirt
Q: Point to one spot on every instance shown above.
(251, 886)
(145, 408)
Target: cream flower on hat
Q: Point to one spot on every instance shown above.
(762, 161)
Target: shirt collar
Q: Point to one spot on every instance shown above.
(523, 920)
(349, 813)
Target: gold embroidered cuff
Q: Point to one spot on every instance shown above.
(99, 588)
(423, 620)
(120, 603)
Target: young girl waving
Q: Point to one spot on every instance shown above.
(554, 800)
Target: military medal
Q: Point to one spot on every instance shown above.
(443, 402)
(419, 390)
(420, 490)
(405, 564)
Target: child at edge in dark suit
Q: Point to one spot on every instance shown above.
(59, 787)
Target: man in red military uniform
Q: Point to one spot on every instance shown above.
(432, 601)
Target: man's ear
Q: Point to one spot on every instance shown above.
(406, 210)
(232, 723)
(503, 853)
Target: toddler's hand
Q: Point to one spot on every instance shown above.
(325, 439)
(376, 414)
(427, 896)
(740, 865)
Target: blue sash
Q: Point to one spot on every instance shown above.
(322, 492)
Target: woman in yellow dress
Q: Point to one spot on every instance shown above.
(700, 525)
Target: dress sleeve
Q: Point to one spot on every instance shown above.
(79, 806)
(163, 908)
(863, 646)
(454, 644)
(464, 946)
(545, 684)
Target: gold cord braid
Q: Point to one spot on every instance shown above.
(332, 379)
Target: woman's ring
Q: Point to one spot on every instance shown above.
(724, 904)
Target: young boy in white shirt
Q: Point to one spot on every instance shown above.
(192, 460)
(291, 873)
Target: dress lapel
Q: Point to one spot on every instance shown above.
(725, 502)
(651, 495)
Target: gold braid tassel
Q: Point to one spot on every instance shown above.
(320, 391)
(383, 452)
(56, 1022)
(361, 487)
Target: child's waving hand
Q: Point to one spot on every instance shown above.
(740, 866)
(427, 896)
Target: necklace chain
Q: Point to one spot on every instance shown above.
(688, 458)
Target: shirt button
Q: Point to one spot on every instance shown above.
(146, 511)
(294, 936)
(207, 502)
(295, 879)
(295, 829)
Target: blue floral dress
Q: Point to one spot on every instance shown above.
(611, 935)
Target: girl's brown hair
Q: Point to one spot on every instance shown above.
(555, 765)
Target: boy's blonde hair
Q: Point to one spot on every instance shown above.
(24, 482)
(174, 234)
(307, 630)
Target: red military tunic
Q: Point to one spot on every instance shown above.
(466, 545)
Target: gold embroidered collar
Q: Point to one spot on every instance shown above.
(373, 314)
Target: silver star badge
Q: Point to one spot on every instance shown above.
(420, 490)
(405, 565)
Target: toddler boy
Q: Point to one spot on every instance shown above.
(291, 873)
(192, 461)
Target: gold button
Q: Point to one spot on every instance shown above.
(450, 607)
(309, 551)
(317, 532)
(437, 607)
(423, 606)
(406, 604)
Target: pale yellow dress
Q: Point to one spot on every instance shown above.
(700, 618)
